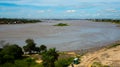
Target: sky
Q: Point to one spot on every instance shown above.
(60, 9)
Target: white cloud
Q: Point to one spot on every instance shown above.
(70, 11)
(49, 10)
(111, 10)
(42, 11)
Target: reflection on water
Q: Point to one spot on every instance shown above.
(79, 35)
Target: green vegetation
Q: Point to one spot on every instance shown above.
(61, 24)
(17, 21)
(117, 21)
(25, 62)
(11, 55)
(30, 47)
(49, 57)
(64, 62)
(113, 45)
(43, 48)
(98, 64)
(28, 62)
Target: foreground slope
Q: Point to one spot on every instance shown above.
(105, 56)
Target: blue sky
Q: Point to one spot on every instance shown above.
(76, 9)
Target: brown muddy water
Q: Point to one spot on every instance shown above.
(80, 34)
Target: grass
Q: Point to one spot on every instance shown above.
(61, 24)
(98, 64)
(113, 45)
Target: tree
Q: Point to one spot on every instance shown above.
(37, 49)
(1, 58)
(30, 46)
(10, 52)
(49, 57)
(43, 48)
(13, 50)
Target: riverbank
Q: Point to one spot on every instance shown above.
(107, 56)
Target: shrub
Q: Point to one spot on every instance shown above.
(96, 64)
(113, 45)
(49, 57)
(61, 24)
(63, 62)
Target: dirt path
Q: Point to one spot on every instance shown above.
(105, 56)
(88, 59)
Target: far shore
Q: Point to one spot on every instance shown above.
(17, 21)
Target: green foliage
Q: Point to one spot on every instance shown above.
(9, 53)
(113, 45)
(30, 46)
(98, 64)
(7, 64)
(11, 56)
(43, 48)
(26, 62)
(106, 66)
(64, 62)
(8, 58)
(13, 50)
(37, 49)
(117, 21)
(29, 62)
(1, 58)
(49, 57)
(17, 21)
(61, 24)
(37, 65)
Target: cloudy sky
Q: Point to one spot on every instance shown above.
(76, 9)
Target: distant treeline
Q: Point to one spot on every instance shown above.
(17, 21)
(106, 20)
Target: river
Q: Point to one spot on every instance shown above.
(80, 34)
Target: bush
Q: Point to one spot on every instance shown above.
(49, 57)
(113, 45)
(9, 53)
(26, 62)
(63, 62)
(61, 24)
(96, 64)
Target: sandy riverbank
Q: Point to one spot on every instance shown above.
(105, 56)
